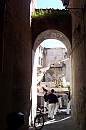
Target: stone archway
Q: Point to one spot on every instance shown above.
(48, 34)
(52, 34)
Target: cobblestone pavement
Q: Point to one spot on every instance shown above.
(60, 122)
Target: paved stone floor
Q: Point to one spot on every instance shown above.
(60, 122)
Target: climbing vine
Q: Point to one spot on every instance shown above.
(51, 13)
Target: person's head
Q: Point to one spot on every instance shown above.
(52, 90)
(69, 88)
(45, 91)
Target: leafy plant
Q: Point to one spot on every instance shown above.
(41, 13)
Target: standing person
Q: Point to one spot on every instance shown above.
(45, 100)
(68, 102)
(57, 105)
(60, 101)
(52, 99)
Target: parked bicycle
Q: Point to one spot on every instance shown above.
(39, 119)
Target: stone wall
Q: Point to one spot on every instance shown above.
(15, 80)
(60, 21)
(78, 63)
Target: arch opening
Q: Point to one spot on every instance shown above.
(52, 43)
(52, 34)
(48, 34)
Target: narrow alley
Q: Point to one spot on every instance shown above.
(23, 27)
(60, 122)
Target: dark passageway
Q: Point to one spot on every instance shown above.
(19, 39)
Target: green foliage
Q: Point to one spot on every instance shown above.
(51, 13)
(43, 79)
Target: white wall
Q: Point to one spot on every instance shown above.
(34, 84)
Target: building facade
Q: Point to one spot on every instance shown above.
(39, 53)
(59, 62)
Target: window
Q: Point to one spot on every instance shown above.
(41, 61)
(39, 49)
